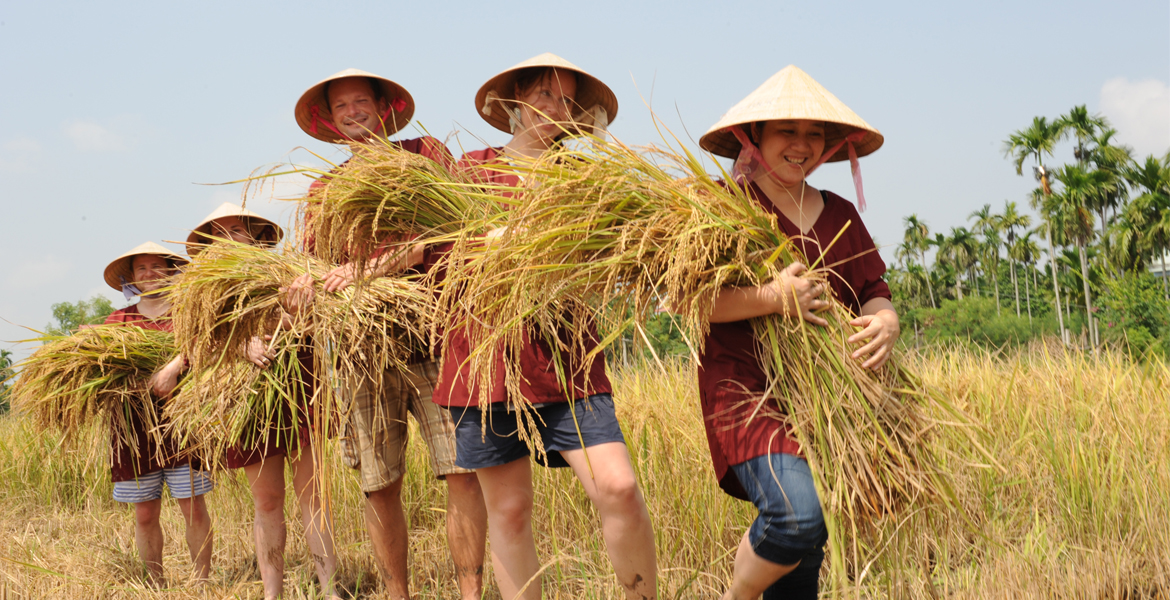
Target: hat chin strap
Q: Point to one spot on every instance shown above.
(750, 160)
(396, 106)
(129, 290)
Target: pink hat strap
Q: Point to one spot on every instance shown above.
(396, 106)
(854, 138)
(750, 160)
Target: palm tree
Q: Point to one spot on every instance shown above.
(1025, 250)
(1034, 142)
(987, 224)
(960, 250)
(1083, 126)
(917, 236)
(1073, 204)
(1151, 210)
(1009, 221)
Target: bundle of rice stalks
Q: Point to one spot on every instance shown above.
(612, 234)
(386, 193)
(96, 374)
(229, 295)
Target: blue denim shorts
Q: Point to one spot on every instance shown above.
(790, 524)
(500, 444)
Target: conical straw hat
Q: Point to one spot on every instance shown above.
(792, 94)
(402, 106)
(591, 92)
(199, 235)
(122, 268)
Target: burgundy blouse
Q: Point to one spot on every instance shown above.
(730, 377)
(128, 463)
(539, 383)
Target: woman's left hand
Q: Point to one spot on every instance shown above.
(882, 330)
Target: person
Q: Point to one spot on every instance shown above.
(356, 108)
(262, 459)
(539, 101)
(141, 467)
(779, 135)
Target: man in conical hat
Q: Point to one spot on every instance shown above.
(355, 107)
(778, 135)
(139, 473)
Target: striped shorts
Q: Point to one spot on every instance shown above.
(183, 482)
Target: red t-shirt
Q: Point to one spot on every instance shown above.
(730, 376)
(125, 463)
(539, 382)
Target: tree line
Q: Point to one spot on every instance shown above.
(1101, 220)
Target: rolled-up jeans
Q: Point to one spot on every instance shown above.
(790, 527)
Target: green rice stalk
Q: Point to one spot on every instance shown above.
(94, 375)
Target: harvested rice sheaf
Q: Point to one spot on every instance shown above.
(93, 375)
(385, 193)
(229, 296)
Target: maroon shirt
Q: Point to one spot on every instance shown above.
(731, 380)
(129, 462)
(539, 382)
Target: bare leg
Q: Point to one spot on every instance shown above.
(507, 493)
(266, 479)
(317, 518)
(148, 537)
(466, 532)
(387, 526)
(753, 574)
(625, 522)
(199, 540)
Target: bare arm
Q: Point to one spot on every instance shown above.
(387, 264)
(789, 295)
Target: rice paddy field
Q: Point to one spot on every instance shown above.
(1075, 505)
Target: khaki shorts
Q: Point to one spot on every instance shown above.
(375, 434)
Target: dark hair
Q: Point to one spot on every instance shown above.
(375, 89)
(528, 78)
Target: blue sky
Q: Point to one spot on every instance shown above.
(112, 113)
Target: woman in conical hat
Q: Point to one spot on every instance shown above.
(779, 135)
(539, 101)
(263, 461)
(140, 472)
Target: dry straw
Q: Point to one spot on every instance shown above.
(95, 375)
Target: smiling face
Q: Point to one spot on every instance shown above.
(355, 107)
(790, 147)
(546, 105)
(149, 272)
(231, 228)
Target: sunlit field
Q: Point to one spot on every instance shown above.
(1076, 503)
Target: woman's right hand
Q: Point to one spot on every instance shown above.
(794, 295)
(257, 352)
(298, 295)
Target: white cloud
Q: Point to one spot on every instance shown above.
(33, 273)
(18, 154)
(1140, 111)
(89, 136)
